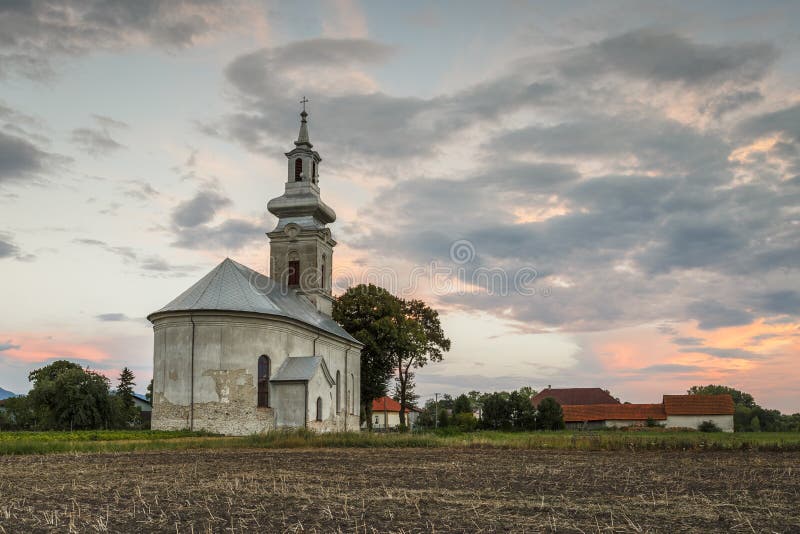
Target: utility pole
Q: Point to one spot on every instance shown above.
(436, 410)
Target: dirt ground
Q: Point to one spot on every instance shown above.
(402, 490)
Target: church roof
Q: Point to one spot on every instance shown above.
(231, 286)
(297, 368)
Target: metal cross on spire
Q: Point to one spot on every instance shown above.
(303, 101)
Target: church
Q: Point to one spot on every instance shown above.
(240, 352)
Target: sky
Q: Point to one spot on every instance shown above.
(592, 194)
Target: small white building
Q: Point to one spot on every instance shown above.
(386, 414)
(689, 411)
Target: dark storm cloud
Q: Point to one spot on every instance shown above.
(198, 210)
(660, 56)
(33, 34)
(712, 315)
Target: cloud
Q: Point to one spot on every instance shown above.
(8, 249)
(671, 368)
(784, 121)
(8, 345)
(712, 315)
(348, 110)
(36, 35)
(724, 353)
(97, 141)
(231, 234)
(648, 142)
(21, 159)
(687, 341)
(604, 168)
(198, 210)
(781, 302)
(141, 191)
(152, 263)
(663, 57)
(113, 317)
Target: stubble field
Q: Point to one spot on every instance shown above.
(401, 490)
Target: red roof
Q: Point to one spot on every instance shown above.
(698, 404)
(579, 413)
(576, 396)
(387, 404)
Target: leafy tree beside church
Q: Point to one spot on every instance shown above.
(399, 336)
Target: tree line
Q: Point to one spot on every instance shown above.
(500, 410)
(67, 396)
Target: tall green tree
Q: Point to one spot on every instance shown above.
(399, 336)
(127, 413)
(422, 340)
(369, 313)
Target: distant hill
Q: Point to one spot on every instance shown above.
(4, 394)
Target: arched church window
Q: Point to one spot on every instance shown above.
(294, 272)
(319, 408)
(298, 170)
(314, 167)
(338, 392)
(263, 381)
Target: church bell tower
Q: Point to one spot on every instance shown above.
(301, 246)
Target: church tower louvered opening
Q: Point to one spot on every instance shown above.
(301, 245)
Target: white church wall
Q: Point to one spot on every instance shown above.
(226, 352)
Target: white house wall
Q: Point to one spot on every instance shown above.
(724, 422)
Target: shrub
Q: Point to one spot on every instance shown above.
(709, 426)
(465, 422)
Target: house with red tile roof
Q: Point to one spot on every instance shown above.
(688, 411)
(575, 396)
(675, 411)
(386, 414)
